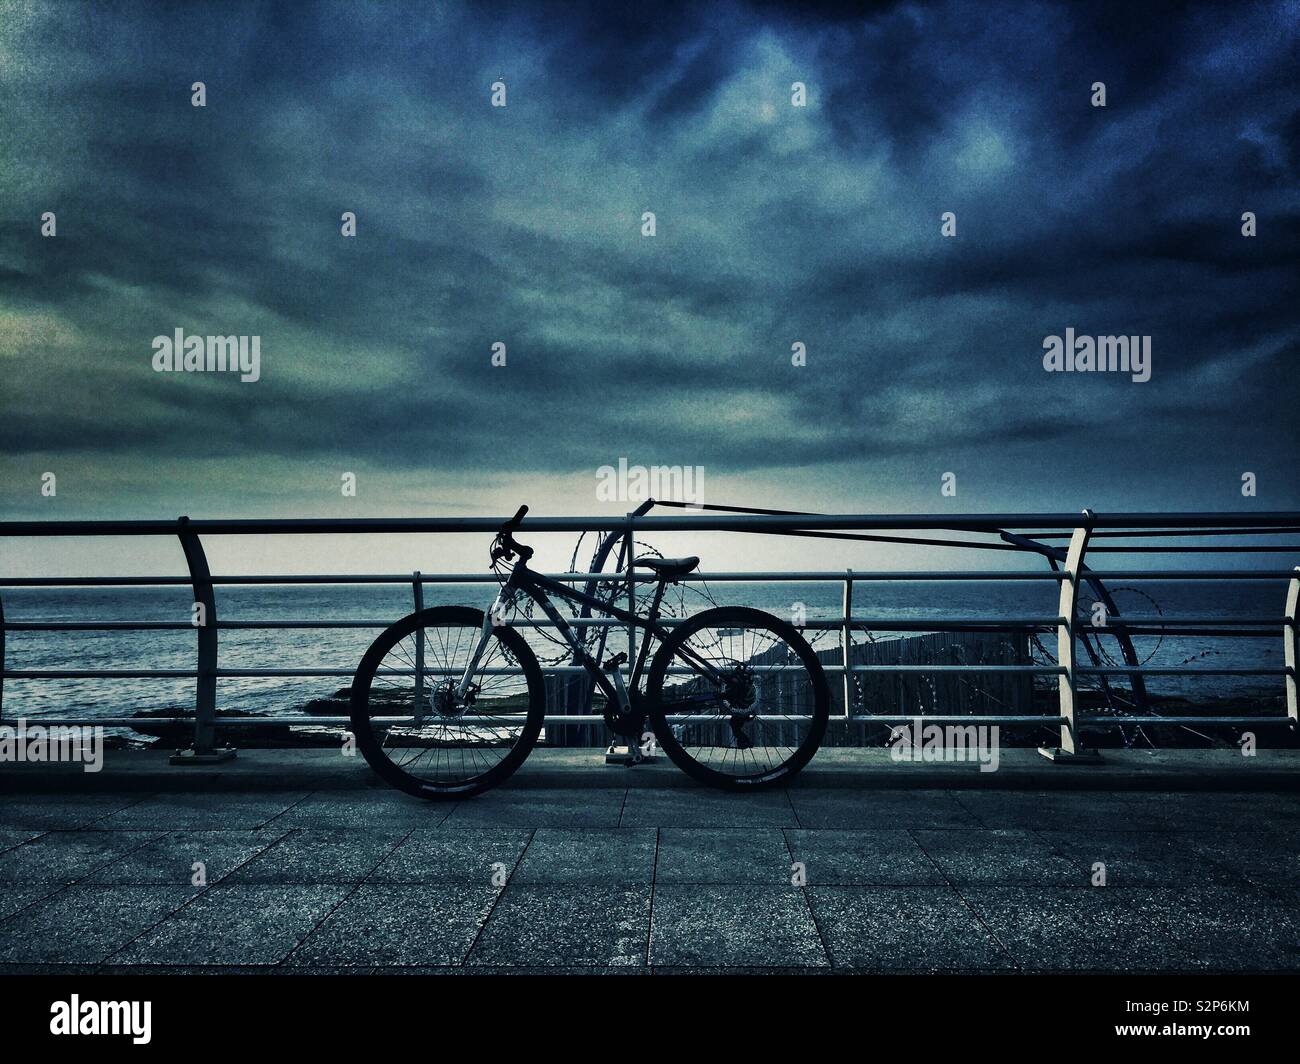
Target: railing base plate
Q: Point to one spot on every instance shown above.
(1077, 757)
(193, 757)
(620, 755)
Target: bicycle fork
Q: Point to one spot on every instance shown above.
(497, 614)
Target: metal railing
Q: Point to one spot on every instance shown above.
(1067, 569)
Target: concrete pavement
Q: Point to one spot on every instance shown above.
(640, 871)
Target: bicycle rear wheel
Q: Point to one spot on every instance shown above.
(421, 737)
(761, 721)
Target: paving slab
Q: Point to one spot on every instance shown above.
(1004, 856)
(723, 855)
(601, 856)
(1075, 929)
(915, 929)
(14, 899)
(774, 969)
(550, 807)
(879, 810)
(1225, 929)
(1152, 858)
(862, 858)
(428, 925)
(463, 856)
(62, 812)
(66, 856)
(235, 925)
(156, 970)
(496, 970)
(84, 925)
(1230, 813)
(1066, 810)
(1132, 810)
(11, 837)
(566, 926)
(198, 811)
(1271, 857)
(724, 926)
(171, 859)
(308, 855)
(705, 808)
(373, 809)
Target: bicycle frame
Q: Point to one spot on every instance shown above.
(536, 586)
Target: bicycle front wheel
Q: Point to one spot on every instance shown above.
(738, 699)
(416, 729)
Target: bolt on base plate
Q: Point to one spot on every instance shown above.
(1077, 757)
(193, 757)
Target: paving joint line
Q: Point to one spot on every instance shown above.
(793, 811)
(967, 810)
(492, 908)
(1015, 964)
(650, 916)
(343, 900)
(623, 807)
(803, 890)
(292, 805)
(192, 898)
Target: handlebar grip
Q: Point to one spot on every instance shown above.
(505, 542)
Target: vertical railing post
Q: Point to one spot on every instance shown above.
(205, 749)
(2, 658)
(1291, 649)
(1071, 748)
(417, 594)
(631, 590)
(614, 754)
(846, 644)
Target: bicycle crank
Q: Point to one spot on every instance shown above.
(629, 723)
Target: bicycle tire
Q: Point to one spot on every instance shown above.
(372, 748)
(723, 617)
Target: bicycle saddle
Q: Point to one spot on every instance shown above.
(669, 568)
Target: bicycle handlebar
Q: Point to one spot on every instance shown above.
(505, 546)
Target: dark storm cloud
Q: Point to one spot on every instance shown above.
(776, 224)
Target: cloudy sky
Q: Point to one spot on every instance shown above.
(522, 224)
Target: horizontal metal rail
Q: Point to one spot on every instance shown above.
(575, 670)
(347, 579)
(698, 522)
(1165, 670)
(876, 624)
(594, 720)
(912, 576)
(587, 719)
(554, 670)
(909, 576)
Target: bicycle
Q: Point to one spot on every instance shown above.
(734, 696)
